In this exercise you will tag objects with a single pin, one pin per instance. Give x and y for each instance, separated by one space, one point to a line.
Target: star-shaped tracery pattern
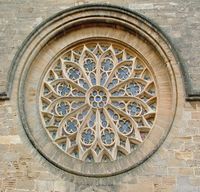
98 101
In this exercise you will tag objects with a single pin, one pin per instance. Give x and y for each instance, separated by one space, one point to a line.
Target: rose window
98 101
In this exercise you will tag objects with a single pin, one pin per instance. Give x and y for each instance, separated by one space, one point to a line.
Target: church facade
100 96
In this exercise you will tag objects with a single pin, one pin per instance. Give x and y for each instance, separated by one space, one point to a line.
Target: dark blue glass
92 120
133 108
98 98
93 79
74 74
64 89
103 78
89 65
123 73
87 137
71 126
83 84
107 65
133 89
63 108
108 137
124 126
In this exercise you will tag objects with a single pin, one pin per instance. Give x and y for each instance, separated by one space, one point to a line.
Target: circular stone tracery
98 97
98 101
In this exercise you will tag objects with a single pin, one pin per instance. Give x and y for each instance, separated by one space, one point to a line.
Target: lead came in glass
96 99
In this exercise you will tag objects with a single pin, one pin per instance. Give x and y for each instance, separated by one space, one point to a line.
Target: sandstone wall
174 167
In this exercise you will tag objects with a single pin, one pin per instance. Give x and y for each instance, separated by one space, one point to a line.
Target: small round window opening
98 101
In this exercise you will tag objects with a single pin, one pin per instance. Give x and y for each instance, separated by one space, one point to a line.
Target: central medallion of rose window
98 97
98 101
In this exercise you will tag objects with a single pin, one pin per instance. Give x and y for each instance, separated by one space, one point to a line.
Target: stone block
175 167
184 155
10 139
146 187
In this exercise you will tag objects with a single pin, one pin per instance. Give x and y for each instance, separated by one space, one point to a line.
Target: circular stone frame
91 22
94 88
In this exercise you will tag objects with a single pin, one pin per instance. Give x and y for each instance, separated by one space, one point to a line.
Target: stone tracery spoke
74 102
110 120
125 71
88 67
108 55
68 116
86 137
133 79
114 140
69 81
71 63
131 98
101 139
125 116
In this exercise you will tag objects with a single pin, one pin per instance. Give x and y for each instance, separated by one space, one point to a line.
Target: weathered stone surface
183 155
136 187
176 164
10 139
178 19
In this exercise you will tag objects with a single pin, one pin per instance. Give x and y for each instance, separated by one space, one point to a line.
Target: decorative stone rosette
98 101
